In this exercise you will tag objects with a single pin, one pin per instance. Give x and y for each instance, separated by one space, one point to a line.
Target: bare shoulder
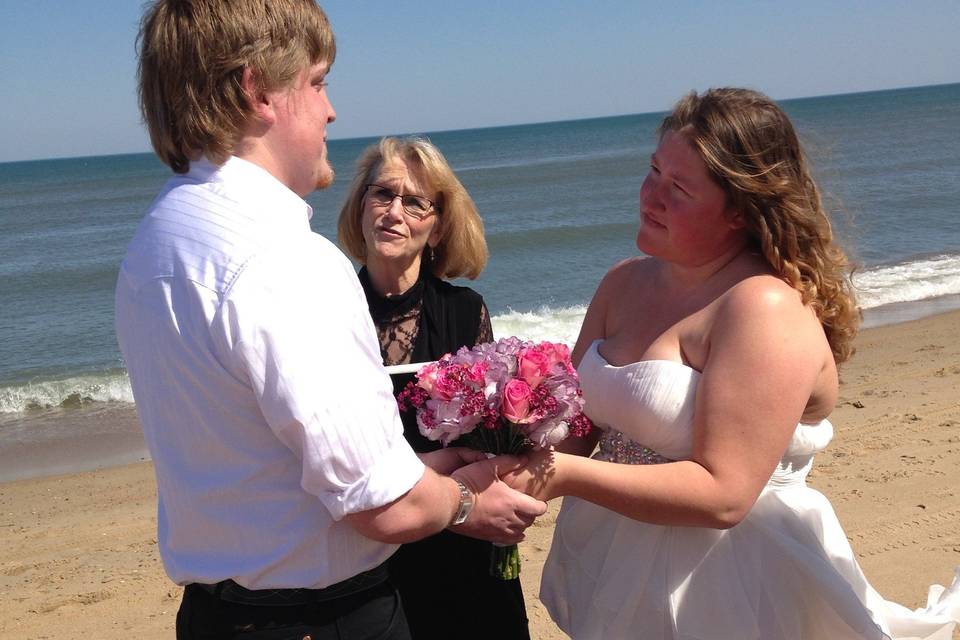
763 325
769 311
623 278
627 279
630 272
761 294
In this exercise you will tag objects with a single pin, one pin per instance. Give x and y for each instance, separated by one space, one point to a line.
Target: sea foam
545 324
908 281
66 392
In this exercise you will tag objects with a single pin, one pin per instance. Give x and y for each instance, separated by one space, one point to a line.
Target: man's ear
260 102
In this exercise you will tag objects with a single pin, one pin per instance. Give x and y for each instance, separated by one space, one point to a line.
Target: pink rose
478 373
555 352
548 434
427 377
533 366
516 401
449 383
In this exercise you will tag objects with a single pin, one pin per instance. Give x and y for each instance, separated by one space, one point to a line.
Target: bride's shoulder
764 289
620 282
764 300
632 270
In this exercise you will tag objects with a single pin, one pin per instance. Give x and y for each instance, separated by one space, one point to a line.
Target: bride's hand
538 477
447 460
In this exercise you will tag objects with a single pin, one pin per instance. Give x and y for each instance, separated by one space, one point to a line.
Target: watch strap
466 504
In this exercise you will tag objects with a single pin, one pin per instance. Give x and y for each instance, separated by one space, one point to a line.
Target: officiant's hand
538 477
500 514
447 460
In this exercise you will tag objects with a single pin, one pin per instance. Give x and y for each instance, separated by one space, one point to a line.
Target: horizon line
503 126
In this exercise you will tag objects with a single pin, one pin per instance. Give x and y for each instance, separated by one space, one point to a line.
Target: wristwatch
466 504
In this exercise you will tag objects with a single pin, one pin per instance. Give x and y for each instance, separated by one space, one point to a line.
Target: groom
284 481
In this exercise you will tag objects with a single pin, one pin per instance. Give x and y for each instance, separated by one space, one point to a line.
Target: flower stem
505 562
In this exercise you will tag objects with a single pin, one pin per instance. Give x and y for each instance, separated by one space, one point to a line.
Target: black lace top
430 319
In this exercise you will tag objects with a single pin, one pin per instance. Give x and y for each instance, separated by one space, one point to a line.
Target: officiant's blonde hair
192 55
752 151
462 249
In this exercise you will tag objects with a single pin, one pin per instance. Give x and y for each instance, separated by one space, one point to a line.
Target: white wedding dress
786 572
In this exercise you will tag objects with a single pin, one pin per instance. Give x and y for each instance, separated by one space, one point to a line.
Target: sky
68 85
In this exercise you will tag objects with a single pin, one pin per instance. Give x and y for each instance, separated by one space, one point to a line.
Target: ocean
560 204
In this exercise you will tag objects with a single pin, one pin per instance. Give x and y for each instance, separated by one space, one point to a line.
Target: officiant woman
412 225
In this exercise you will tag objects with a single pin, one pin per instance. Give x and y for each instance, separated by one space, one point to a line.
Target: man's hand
500 514
447 460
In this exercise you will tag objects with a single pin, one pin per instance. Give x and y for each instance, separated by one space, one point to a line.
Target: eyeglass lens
415 205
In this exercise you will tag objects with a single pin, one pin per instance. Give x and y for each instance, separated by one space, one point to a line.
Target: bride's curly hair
753 153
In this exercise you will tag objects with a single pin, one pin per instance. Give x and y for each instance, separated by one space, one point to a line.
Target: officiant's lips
389 232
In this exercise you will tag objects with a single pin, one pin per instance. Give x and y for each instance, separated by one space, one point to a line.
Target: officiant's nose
395 208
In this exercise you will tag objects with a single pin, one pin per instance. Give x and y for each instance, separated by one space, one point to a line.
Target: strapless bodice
651 403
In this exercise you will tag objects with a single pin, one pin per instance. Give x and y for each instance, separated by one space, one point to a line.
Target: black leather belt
230 591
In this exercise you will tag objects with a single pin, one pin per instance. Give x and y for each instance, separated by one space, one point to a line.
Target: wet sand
78 554
68 440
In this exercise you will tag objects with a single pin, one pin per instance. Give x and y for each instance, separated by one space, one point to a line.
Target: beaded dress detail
616 447
785 572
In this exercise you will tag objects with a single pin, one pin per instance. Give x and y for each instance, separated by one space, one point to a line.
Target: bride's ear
735 219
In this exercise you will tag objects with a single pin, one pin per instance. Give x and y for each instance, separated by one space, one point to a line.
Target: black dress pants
371 614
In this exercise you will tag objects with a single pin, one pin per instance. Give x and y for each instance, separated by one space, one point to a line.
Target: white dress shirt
259 385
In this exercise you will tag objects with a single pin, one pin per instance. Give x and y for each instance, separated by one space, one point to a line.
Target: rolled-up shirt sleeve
301 335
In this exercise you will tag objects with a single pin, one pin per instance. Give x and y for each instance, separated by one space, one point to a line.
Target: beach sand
78 555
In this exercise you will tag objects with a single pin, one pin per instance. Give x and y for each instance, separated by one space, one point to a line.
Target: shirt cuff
393 475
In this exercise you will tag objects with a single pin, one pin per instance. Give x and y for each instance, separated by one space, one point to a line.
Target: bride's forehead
677 145
676 152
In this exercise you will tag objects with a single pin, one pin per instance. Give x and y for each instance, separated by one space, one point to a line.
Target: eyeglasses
413 205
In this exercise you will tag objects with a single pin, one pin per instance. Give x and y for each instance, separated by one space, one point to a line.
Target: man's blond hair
192 55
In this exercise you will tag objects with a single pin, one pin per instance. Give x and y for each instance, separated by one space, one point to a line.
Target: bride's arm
593 328
766 354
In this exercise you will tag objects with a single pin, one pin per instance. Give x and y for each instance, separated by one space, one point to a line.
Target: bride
710 369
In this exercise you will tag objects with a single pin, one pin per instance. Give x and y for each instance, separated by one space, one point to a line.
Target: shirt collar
253 184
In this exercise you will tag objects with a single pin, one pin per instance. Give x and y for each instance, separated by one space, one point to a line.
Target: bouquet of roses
500 397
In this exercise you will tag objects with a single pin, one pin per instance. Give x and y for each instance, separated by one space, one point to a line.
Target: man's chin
325 179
